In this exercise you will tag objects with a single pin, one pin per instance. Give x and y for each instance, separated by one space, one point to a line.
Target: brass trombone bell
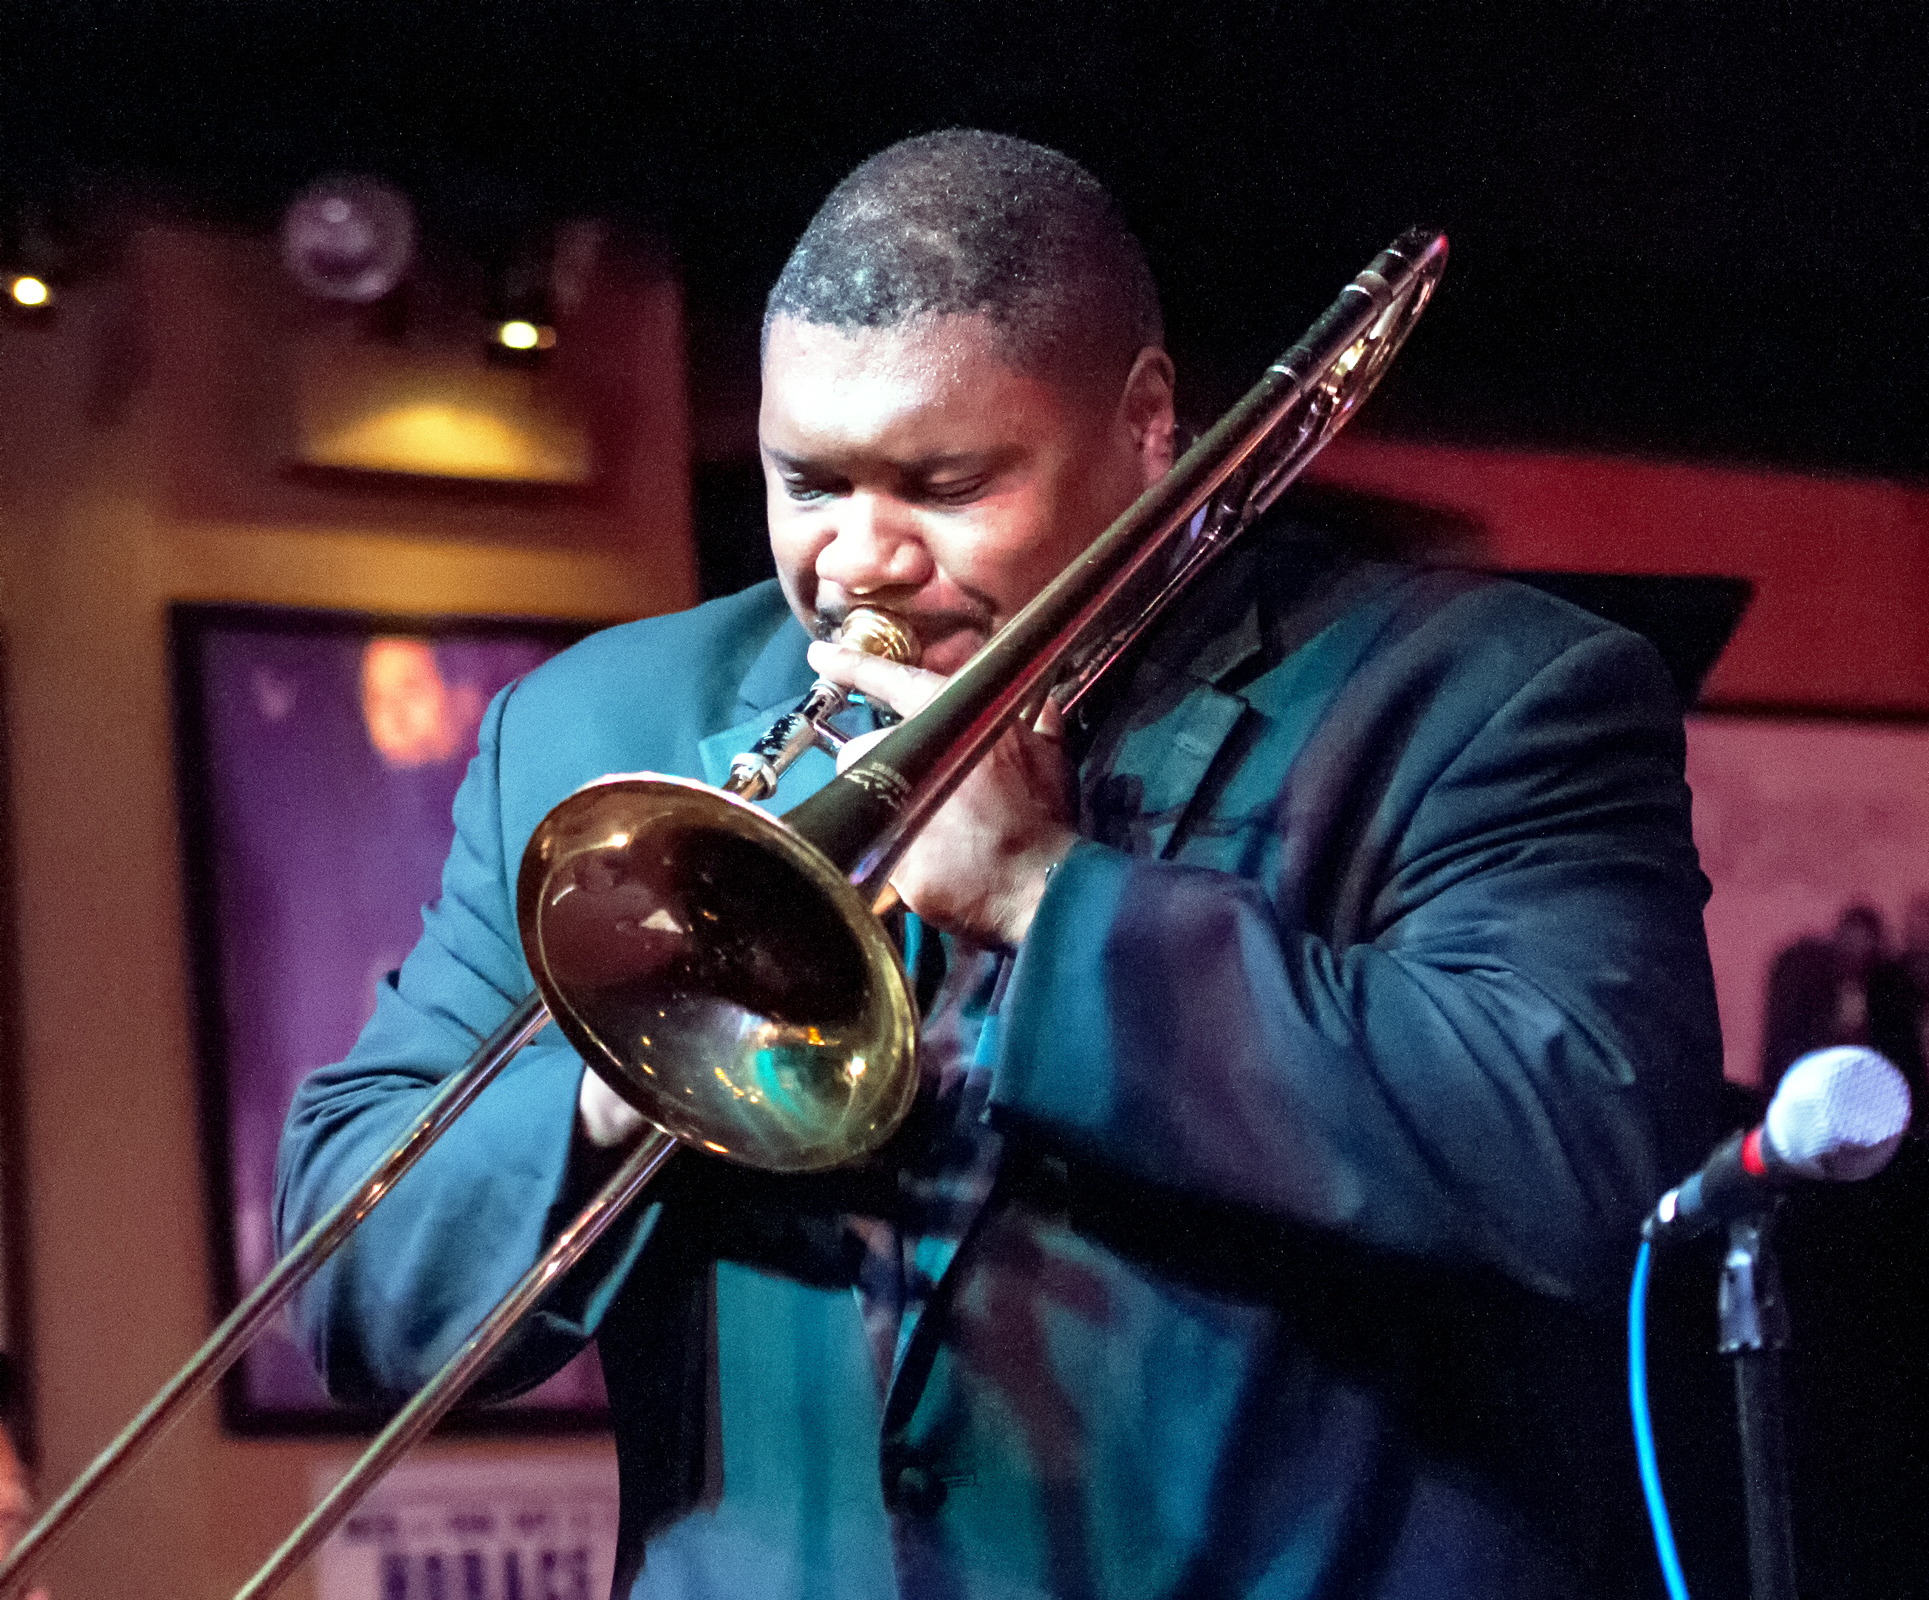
719 973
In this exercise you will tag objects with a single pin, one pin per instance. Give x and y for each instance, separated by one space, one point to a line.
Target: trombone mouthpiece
877 633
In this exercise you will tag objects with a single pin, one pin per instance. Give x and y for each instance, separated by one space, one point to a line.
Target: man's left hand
978 868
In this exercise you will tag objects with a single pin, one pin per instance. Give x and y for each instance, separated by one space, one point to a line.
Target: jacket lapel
1302 630
1148 765
1156 771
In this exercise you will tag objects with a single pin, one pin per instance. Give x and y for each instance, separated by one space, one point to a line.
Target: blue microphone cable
1644 1427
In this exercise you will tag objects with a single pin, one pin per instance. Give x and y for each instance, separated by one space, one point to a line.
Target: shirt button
912 1486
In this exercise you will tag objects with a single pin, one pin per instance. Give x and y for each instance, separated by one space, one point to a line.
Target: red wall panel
1840 566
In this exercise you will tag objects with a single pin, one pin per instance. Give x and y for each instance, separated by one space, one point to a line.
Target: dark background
1685 229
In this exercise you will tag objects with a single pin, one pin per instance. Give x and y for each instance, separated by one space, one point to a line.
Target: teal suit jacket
1334 1077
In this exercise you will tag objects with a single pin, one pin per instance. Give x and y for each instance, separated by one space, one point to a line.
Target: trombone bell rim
719 973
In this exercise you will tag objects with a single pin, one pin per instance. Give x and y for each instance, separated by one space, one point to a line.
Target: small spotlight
28 292
518 334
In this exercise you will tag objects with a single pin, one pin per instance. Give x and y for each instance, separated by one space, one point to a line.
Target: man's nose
876 544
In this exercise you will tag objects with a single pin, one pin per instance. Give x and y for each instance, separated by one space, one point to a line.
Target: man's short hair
972 223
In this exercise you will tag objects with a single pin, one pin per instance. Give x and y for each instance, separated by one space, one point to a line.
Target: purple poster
320 753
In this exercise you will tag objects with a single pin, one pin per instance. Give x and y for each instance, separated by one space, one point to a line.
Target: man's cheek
792 555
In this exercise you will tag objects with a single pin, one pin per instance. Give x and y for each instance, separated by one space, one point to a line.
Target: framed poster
319 755
1814 831
16 1409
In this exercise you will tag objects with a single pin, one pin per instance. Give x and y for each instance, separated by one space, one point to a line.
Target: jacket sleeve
459 1228
1476 1072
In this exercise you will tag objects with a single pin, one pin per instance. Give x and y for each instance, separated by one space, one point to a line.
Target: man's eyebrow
787 462
917 466
957 460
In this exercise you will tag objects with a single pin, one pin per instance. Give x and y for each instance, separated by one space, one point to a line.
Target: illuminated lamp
519 333
36 255
520 313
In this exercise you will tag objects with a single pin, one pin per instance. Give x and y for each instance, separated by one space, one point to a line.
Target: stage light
518 333
524 310
36 259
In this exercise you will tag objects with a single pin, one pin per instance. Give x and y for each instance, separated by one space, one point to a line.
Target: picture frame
318 755
17 1412
1813 828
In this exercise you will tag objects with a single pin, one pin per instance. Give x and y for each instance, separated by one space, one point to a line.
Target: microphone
1837 1116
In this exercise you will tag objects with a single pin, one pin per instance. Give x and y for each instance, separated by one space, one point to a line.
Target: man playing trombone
1298 1021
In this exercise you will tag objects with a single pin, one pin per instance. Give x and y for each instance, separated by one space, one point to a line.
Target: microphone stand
1754 1332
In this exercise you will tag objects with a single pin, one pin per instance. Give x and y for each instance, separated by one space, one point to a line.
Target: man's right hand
979 865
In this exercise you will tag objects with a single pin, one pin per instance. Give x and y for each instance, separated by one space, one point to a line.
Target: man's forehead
932 372
928 343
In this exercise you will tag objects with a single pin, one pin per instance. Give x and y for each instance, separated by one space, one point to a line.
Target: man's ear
1145 408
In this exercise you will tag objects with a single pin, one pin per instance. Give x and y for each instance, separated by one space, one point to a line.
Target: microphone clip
1750 1311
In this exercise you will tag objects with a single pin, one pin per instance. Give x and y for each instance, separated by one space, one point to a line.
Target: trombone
722 968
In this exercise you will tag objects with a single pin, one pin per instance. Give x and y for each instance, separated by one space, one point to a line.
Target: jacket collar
780 674
1202 676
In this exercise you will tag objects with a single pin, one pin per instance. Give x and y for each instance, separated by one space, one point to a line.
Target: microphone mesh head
1839 1114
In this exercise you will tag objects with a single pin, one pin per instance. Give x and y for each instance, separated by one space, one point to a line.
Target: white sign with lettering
533 1527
